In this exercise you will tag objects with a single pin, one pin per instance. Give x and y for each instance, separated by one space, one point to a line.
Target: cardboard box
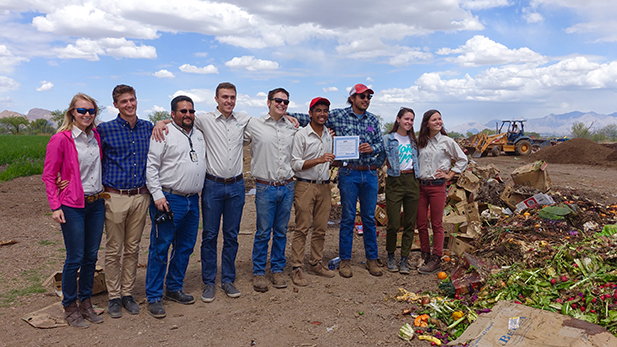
98 287
381 217
460 208
468 181
510 197
457 194
533 175
539 199
460 245
471 212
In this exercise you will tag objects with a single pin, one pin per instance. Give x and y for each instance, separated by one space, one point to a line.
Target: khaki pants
125 217
312 203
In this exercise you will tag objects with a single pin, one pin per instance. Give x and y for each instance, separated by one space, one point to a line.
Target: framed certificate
346 147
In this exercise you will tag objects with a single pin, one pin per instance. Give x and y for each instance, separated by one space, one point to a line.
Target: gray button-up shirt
308 145
437 155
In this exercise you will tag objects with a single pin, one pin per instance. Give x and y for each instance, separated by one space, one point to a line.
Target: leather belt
313 181
224 180
171 191
407 171
274 183
129 192
438 182
356 167
94 197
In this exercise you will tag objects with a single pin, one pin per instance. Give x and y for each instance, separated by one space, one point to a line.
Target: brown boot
86 310
373 267
320 270
73 316
278 280
297 277
260 284
345 268
433 265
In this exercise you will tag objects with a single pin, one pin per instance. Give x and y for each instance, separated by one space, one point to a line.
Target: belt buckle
228 180
319 181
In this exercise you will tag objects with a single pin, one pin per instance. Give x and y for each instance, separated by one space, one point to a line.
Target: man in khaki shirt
310 159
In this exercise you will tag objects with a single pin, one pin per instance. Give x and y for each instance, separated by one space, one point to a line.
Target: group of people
108 175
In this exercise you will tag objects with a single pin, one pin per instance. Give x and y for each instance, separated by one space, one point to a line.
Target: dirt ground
329 312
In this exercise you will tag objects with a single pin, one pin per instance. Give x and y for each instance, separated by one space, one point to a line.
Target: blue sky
474 60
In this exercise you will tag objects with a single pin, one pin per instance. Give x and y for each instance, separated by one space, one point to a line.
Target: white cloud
199 96
480 50
45 86
157 108
118 48
252 64
7 83
330 89
484 4
368 79
164 74
199 70
8 60
530 16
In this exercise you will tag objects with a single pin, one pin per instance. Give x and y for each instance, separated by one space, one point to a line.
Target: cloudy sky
474 60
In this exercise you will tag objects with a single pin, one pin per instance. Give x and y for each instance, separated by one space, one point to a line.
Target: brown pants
125 218
312 203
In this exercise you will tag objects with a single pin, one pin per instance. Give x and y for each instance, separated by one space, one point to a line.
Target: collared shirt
271 143
307 144
224 138
125 151
345 122
438 154
88 154
170 164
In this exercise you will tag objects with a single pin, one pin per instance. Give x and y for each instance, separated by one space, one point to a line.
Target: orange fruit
442 275
445 258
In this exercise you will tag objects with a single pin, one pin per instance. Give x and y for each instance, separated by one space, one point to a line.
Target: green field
22 155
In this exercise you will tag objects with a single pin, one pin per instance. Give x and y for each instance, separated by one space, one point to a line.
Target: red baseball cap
359 89
318 99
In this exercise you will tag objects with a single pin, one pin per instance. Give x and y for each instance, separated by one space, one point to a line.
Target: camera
163 217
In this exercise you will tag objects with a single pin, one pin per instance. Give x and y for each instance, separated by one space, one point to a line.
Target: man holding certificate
357 164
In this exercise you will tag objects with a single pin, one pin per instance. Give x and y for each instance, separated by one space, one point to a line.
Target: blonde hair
67 124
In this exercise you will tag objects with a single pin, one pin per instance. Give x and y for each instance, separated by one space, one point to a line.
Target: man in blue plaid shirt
358 177
125 142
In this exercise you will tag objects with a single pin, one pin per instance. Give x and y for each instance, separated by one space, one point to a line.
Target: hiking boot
373 267
130 305
297 277
86 310
208 293
433 265
392 263
156 309
74 317
179 297
345 268
230 290
278 280
404 266
320 270
423 259
260 284
115 308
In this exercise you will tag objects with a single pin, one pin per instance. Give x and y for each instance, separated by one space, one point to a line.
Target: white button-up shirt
89 157
437 155
308 145
170 165
271 143
224 138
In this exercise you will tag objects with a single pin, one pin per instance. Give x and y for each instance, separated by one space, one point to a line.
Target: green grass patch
22 155
47 243
31 284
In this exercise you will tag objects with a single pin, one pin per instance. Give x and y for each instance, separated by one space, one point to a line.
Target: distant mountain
474 127
38 113
7 113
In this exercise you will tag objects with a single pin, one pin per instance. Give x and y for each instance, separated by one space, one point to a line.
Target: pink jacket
62 157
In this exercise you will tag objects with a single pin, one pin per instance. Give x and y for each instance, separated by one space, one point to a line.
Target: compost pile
575 151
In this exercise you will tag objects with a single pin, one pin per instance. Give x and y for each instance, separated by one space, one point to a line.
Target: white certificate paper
346 147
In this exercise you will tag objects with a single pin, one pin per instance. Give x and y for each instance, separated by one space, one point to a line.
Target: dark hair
122 89
424 131
320 102
401 112
177 99
225 85
277 90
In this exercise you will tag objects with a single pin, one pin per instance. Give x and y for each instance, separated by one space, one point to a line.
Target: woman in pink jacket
74 153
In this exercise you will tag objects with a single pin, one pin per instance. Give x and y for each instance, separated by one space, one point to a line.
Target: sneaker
208 294
297 277
404 266
115 308
130 305
179 297
320 270
345 268
156 309
230 290
392 263
278 280
373 268
86 310
433 265
73 316
260 284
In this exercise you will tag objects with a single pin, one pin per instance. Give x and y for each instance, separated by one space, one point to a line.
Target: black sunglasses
365 96
84 110
185 111
279 100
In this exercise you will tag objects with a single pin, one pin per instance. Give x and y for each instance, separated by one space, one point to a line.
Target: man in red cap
310 159
357 177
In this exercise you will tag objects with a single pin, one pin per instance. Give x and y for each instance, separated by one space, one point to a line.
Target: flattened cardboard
381 216
532 175
457 194
510 197
468 181
99 285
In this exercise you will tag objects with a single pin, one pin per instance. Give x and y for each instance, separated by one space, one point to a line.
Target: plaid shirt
345 122
125 152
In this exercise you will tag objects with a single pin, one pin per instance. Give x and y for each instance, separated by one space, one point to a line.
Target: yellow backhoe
513 141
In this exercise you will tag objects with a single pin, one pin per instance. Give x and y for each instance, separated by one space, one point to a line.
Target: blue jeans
228 200
354 184
273 207
82 234
181 233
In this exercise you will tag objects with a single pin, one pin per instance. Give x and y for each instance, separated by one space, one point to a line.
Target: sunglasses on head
279 100
185 111
84 110
365 96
